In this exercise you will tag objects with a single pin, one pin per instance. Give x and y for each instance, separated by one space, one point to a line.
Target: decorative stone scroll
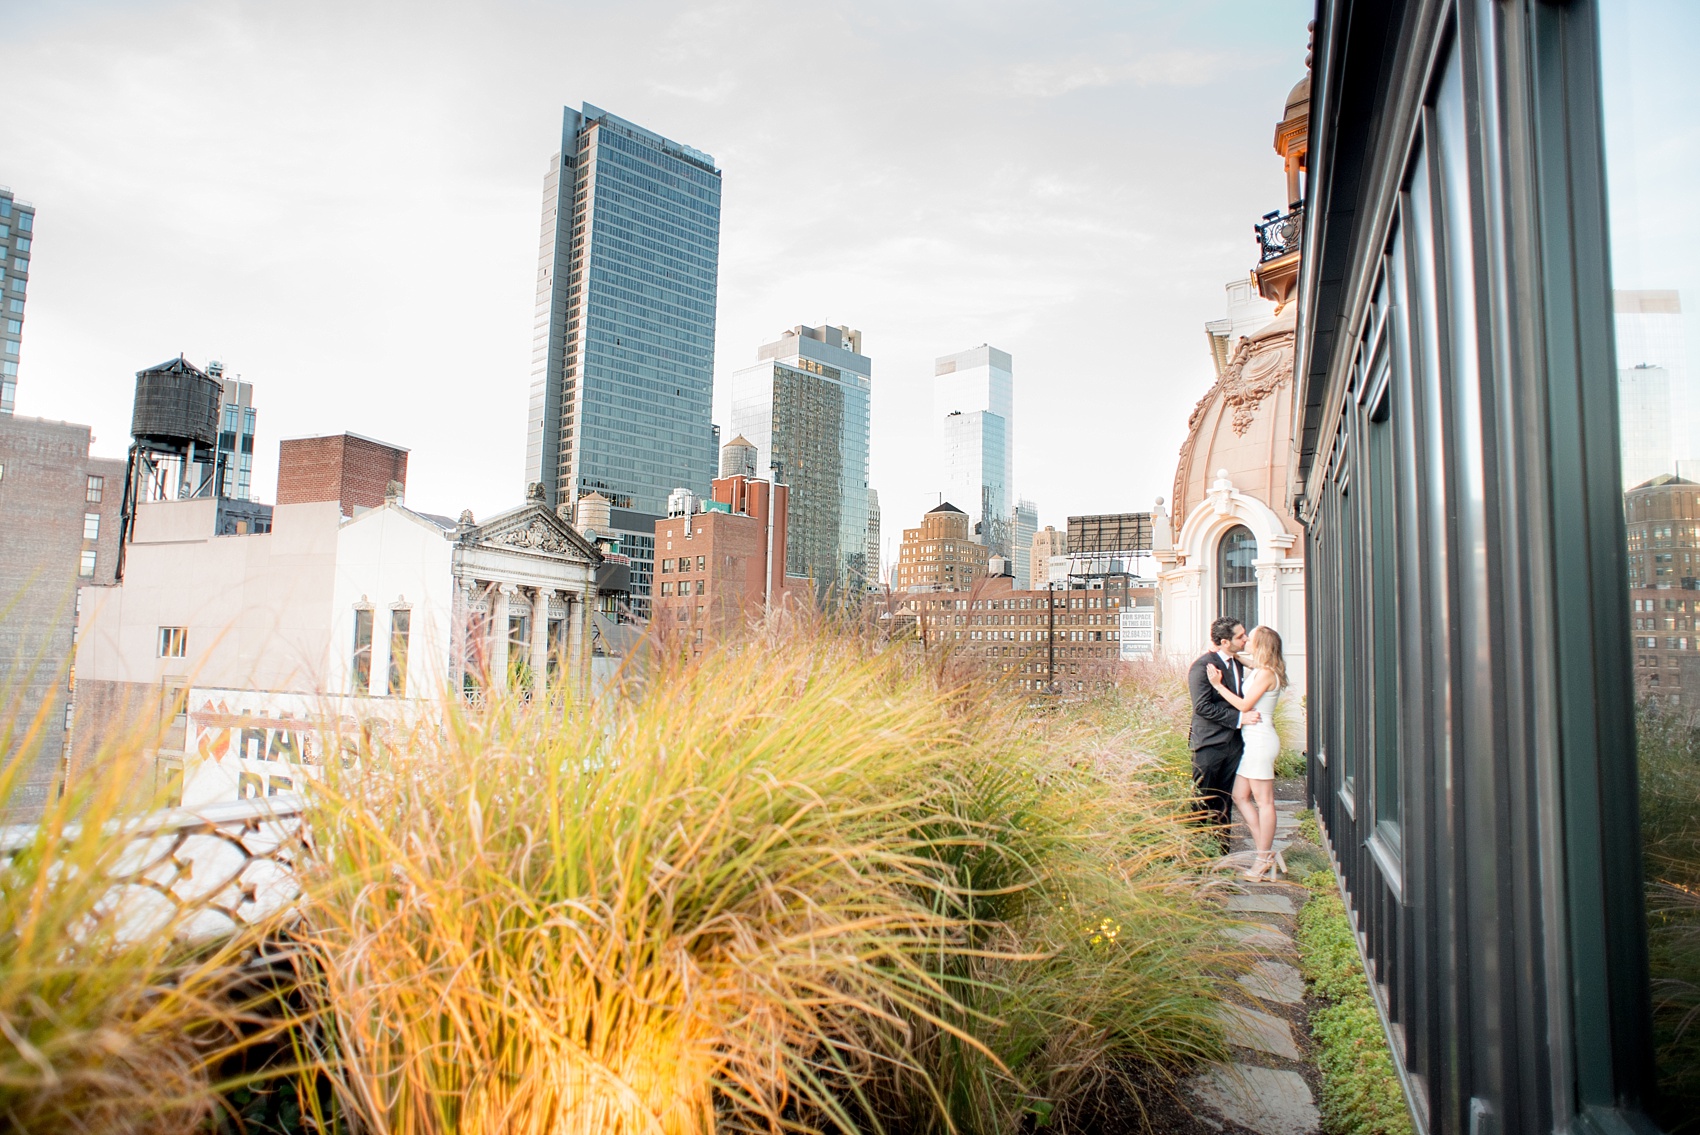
534 535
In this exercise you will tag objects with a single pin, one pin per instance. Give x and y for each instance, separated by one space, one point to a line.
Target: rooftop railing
1280 233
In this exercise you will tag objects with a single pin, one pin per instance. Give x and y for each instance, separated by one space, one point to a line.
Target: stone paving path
1266 1088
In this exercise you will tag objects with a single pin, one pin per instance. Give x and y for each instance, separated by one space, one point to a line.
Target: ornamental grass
110 1022
798 883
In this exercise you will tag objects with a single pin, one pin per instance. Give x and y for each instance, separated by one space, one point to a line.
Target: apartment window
667 586
17 286
23 241
91 525
666 566
248 420
702 562
26 222
96 486
86 568
5 230
401 625
18 305
11 346
15 326
362 677
173 641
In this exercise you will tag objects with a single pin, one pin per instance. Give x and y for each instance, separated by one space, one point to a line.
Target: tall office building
235 460
973 401
804 406
17 230
874 553
1023 525
623 340
1658 409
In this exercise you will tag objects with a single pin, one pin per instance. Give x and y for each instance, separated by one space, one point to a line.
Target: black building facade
1472 714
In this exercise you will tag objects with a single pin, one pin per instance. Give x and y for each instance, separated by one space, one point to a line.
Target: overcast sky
340 201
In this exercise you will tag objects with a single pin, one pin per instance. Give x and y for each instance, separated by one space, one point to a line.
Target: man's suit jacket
1215 723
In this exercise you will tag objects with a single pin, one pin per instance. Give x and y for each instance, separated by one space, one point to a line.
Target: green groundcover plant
1360 1091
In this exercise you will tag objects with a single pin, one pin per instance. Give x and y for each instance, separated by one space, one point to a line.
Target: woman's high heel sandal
1280 866
1260 869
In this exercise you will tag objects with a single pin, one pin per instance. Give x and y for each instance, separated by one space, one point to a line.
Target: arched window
1237 596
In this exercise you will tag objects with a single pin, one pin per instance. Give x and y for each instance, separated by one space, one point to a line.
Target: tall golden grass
109 1021
806 881
796 883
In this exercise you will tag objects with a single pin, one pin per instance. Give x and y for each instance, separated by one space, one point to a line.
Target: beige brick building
59 511
1063 639
939 555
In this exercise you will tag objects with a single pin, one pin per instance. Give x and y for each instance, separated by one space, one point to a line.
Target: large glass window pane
1238 578
401 625
361 682
1653 162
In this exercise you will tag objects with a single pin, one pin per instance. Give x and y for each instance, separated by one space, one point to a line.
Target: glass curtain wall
1498 472
1652 143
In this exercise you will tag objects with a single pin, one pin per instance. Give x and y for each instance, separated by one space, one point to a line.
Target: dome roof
1243 427
1298 99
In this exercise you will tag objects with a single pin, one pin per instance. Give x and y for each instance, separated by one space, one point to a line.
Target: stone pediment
532 528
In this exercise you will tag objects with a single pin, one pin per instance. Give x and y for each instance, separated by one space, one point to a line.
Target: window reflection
1653 161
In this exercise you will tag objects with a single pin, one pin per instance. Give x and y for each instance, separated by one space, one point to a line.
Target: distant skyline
339 201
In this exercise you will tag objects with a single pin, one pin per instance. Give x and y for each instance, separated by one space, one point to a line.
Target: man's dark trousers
1215 737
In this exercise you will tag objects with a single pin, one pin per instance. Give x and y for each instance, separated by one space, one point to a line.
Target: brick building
59 510
725 564
1046 543
1663 521
1061 638
348 468
939 555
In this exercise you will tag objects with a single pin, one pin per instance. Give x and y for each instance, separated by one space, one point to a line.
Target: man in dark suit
1215 740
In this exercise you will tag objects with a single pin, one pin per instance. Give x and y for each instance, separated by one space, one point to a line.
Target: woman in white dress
1254 785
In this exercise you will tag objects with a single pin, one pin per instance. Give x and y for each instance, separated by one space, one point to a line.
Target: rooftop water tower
174 439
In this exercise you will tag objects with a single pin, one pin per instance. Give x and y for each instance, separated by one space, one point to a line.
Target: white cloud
340 200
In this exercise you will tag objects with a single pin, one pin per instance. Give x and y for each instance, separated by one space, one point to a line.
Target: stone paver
1248 1028
1266 1100
1274 981
1262 938
1266 904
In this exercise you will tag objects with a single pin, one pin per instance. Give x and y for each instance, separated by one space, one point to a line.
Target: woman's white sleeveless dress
1262 743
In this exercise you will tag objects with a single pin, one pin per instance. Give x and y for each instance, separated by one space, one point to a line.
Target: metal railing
203 872
1280 233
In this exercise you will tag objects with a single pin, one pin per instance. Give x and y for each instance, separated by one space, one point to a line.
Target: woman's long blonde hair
1264 647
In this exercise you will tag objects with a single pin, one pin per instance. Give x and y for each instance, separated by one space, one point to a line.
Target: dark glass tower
623 363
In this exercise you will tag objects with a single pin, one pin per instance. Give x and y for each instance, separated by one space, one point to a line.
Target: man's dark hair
1223 629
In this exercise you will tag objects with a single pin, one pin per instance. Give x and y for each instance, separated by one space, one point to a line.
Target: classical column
460 620
499 636
540 599
577 661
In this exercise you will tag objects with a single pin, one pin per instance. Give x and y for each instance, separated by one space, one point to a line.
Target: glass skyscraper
17 229
973 402
623 342
804 407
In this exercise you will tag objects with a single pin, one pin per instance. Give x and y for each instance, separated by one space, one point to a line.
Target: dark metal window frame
1506 944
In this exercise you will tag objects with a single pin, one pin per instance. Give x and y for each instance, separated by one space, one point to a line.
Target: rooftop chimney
354 471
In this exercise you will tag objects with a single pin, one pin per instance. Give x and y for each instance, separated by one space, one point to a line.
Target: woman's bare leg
1246 804
1262 793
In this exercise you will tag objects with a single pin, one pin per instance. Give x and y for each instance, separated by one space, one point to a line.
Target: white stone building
365 617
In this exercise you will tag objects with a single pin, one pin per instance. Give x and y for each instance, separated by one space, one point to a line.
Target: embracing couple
1234 688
